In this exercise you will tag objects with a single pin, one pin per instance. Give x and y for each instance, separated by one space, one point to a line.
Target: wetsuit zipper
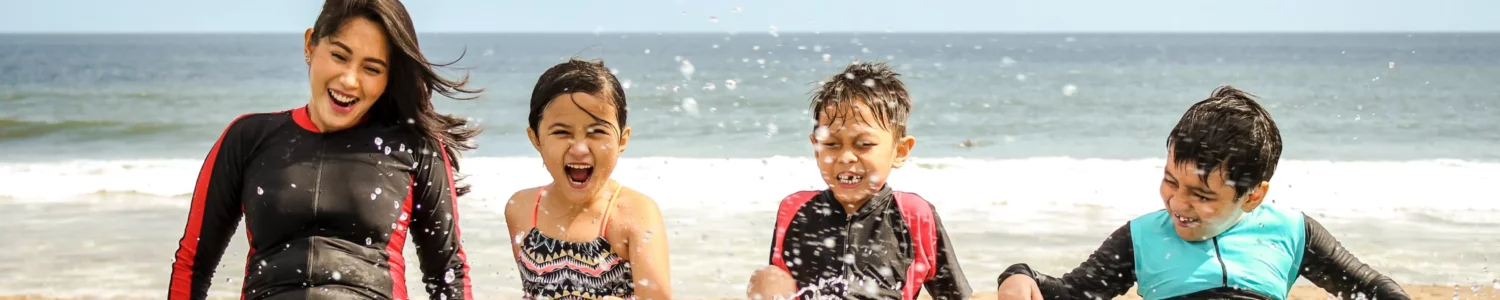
312 241
848 247
1222 268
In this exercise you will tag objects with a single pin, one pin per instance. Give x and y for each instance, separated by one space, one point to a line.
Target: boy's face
854 152
1202 210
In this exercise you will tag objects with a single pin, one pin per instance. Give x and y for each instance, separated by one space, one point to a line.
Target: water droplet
828 243
645 282
827 57
369 241
625 84
411 121
770 130
690 106
259 191
1169 255
687 69
1020 77
870 82
1392 65
372 196
1070 90
294 185
336 275
397 204
709 86
403 216
378 141
448 276
730 84
773 32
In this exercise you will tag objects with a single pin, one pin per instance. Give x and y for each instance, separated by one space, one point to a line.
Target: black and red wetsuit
890 248
327 214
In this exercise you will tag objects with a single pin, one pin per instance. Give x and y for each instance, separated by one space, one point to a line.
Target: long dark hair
408 96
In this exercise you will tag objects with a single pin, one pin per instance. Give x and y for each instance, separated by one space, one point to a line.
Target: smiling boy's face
856 151
1203 208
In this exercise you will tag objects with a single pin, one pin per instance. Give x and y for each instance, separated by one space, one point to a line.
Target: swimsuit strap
608 208
538 205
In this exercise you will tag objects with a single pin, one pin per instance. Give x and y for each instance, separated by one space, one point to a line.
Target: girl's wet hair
1229 130
577 76
408 95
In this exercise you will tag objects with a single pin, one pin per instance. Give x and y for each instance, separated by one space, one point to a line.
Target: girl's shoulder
521 203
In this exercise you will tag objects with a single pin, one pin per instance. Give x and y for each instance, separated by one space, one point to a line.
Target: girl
331 191
584 236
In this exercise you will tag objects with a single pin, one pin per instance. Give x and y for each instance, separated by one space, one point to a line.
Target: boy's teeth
578 166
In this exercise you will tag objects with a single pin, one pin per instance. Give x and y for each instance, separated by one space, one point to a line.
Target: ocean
1033 147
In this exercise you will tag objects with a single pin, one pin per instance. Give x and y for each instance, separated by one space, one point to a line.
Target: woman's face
348 72
579 150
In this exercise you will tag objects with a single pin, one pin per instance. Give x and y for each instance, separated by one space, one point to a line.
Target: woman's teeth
341 99
849 178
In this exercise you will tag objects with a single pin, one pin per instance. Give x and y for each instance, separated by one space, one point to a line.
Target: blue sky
786 15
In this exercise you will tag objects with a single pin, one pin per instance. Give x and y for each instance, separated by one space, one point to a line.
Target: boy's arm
1108 273
1326 264
950 282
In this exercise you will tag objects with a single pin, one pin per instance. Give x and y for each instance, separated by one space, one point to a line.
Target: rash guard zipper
1222 268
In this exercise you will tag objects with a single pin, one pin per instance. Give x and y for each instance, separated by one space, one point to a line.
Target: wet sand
1300 292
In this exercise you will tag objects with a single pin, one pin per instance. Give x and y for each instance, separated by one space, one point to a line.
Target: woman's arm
435 228
212 217
1326 264
649 261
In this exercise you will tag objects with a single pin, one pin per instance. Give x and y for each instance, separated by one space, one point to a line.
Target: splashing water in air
730 84
690 106
1070 90
259 191
687 69
773 32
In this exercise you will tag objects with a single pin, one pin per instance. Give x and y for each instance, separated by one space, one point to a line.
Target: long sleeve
435 228
213 216
1326 264
1109 272
950 282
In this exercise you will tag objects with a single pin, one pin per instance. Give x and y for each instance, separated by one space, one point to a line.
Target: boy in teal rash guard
1215 239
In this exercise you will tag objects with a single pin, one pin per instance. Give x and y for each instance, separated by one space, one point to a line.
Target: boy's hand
1019 287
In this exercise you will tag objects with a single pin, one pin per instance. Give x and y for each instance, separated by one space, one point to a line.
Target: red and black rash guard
866 255
326 214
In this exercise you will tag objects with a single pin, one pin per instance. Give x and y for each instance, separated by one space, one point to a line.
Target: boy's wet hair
874 83
1229 130
577 76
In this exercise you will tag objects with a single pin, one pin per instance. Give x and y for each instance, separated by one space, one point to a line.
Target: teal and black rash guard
326 214
1258 258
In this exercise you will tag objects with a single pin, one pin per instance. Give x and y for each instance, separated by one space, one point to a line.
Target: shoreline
1299 292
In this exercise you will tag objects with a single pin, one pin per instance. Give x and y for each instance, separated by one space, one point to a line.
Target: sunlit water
1390 142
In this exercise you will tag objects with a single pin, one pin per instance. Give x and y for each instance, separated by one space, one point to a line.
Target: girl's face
348 73
580 142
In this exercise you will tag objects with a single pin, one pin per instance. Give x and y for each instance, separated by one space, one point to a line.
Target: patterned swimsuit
558 269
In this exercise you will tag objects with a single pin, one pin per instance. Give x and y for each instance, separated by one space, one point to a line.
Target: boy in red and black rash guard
860 239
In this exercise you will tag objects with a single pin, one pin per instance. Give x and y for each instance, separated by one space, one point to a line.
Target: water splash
730 84
690 106
773 31
1070 90
259 191
687 69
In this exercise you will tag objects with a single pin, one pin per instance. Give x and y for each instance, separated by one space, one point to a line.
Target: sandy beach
1301 292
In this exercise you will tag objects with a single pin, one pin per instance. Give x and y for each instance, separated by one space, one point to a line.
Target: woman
583 235
331 190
